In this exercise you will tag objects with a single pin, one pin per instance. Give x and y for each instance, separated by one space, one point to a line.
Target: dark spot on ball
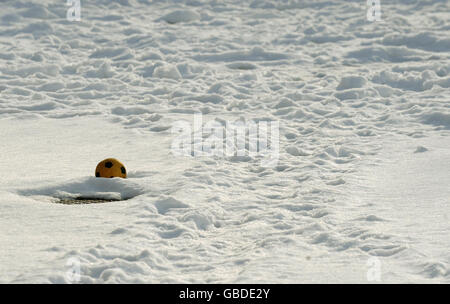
108 164
97 174
123 170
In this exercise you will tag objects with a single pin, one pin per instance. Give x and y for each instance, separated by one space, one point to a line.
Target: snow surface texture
361 190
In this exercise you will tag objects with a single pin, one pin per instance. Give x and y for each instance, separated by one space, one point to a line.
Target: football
110 168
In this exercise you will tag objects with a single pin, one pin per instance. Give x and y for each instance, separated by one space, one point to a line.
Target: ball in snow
110 168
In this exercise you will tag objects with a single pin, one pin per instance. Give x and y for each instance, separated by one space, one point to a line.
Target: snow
170 72
180 16
362 174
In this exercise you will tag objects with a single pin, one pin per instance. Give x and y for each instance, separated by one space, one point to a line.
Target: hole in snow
83 201
87 190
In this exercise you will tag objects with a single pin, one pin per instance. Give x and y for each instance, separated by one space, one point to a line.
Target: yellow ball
110 168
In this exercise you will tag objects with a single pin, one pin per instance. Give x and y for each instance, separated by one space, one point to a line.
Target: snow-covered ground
360 191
